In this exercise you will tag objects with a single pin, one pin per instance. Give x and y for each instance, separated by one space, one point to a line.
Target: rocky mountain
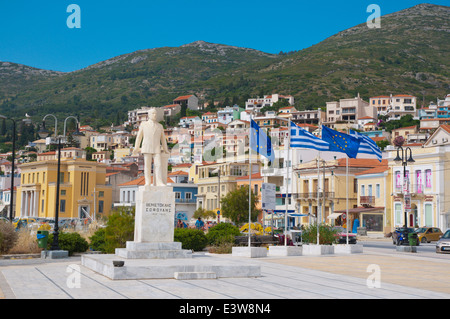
408 54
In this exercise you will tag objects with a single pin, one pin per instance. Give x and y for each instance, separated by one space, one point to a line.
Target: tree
234 205
204 214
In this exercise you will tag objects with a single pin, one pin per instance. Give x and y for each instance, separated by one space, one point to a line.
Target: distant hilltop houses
100 164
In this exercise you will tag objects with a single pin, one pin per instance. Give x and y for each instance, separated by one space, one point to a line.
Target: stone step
194 275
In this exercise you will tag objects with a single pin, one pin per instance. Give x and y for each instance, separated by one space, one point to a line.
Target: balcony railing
367 199
185 201
313 195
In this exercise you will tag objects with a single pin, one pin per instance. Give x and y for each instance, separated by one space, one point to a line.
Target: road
427 250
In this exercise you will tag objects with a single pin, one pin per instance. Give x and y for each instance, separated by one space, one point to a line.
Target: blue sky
35 33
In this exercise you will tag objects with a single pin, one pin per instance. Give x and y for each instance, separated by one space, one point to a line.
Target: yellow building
323 192
83 192
428 182
215 180
374 211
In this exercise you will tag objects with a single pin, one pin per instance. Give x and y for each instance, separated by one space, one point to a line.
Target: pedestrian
199 223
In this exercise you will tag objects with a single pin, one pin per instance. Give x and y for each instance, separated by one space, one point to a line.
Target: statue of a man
151 134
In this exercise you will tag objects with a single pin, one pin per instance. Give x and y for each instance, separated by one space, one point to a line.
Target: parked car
443 244
23 222
428 234
400 236
341 235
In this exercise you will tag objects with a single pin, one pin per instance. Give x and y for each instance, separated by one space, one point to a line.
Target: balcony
185 201
368 200
313 195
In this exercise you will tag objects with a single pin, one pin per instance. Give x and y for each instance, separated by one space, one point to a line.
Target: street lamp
404 162
11 205
43 133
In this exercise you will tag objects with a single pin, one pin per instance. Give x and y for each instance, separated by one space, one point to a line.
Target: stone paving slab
292 277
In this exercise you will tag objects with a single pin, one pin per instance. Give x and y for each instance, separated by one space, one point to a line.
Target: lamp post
43 133
11 201
404 162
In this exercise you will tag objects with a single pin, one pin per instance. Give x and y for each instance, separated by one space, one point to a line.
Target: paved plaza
404 276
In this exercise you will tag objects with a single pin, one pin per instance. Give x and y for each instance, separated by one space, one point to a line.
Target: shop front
370 218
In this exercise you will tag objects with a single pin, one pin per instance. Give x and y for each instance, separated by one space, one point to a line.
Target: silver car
443 244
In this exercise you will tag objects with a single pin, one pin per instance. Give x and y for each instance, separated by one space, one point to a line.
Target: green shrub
194 239
98 240
222 232
119 229
72 242
8 236
326 234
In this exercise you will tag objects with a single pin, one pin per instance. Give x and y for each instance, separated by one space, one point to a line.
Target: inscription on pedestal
155 215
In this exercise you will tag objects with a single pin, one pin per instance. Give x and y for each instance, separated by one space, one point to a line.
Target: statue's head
152 114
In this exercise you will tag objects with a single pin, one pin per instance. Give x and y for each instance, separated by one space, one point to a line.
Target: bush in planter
8 237
194 239
327 235
221 233
72 242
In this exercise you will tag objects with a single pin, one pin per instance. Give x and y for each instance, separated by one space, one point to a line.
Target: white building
268 100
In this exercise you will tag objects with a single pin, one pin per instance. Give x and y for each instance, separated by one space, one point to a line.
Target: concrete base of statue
154 254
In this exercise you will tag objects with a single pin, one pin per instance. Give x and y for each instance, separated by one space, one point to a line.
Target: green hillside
408 54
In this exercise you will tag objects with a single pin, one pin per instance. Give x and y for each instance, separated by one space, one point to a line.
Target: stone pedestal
136 250
155 214
153 254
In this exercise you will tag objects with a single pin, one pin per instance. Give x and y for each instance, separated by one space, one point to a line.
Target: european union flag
340 142
260 142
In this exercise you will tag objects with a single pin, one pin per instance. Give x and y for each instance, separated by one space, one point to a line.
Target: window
428 215
100 206
428 178
419 181
63 192
369 190
177 195
188 196
377 190
398 214
101 194
42 206
363 190
62 206
61 177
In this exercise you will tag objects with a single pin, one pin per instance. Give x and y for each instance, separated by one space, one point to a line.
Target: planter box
316 250
251 252
278 251
348 249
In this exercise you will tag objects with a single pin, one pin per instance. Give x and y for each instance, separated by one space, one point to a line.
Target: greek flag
303 139
367 147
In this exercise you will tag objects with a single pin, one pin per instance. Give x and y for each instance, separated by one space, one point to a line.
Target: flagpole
250 182
287 181
318 197
346 183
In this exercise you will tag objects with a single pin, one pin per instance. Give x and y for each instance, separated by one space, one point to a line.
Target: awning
334 215
297 215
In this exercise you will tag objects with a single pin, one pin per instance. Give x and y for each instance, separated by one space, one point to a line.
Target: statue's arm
137 144
164 142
